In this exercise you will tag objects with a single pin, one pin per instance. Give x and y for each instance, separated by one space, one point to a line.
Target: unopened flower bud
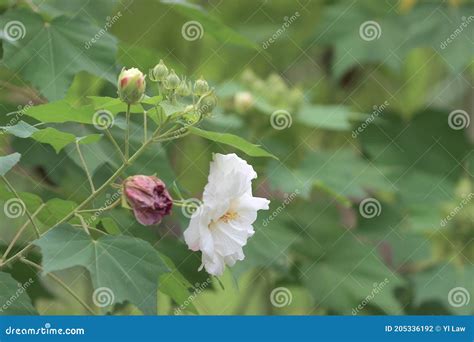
131 85
148 198
243 101
159 72
183 89
201 87
207 104
172 81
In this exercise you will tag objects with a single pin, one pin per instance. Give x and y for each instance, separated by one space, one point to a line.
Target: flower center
228 216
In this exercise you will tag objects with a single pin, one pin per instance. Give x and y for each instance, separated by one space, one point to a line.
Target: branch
84 165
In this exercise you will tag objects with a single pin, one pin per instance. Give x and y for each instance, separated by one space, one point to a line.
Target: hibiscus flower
223 223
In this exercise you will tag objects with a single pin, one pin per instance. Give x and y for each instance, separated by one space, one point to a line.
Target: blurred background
367 104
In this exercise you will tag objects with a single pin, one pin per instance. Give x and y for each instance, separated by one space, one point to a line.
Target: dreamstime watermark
46 330
197 290
109 22
377 110
288 199
21 110
111 199
103 119
191 207
14 208
457 32
103 296
280 297
14 30
21 289
370 30
281 119
192 30
459 296
457 209
370 208
286 24
377 288
458 119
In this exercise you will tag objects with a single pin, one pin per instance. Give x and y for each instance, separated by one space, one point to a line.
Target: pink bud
148 197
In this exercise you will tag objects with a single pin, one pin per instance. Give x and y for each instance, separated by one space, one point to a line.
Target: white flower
223 223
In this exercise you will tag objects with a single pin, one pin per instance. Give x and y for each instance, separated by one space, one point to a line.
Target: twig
12 189
62 283
84 165
114 142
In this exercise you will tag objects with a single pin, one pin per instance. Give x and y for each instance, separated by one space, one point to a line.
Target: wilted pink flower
148 197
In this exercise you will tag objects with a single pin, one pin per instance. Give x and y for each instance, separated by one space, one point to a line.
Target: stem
144 126
62 283
12 189
127 133
114 142
20 231
113 205
84 165
89 199
83 223
91 228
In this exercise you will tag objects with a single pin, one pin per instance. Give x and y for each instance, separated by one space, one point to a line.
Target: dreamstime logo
370 207
191 207
280 297
458 119
458 296
198 288
286 24
370 30
111 199
109 22
457 209
288 199
103 119
14 208
21 289
281 119
103 296
14 30
192 30
375 113
21 110
457 32
377 288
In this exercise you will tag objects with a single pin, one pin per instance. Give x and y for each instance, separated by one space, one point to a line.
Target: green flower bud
201 87
159 72
172 81
183 89
131 85
207 104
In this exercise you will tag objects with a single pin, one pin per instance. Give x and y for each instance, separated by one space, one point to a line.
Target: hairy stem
84 165
83 223
114 142
62 283
127 133
20 231
12 189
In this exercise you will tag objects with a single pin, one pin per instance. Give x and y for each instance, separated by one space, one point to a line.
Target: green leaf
110 226
20 130
61 111
127 266
13 297
8 162
335 118
344 272
170 109
57 139
437 283
234 141
429 24
176 286
211 25
51 53
113 105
